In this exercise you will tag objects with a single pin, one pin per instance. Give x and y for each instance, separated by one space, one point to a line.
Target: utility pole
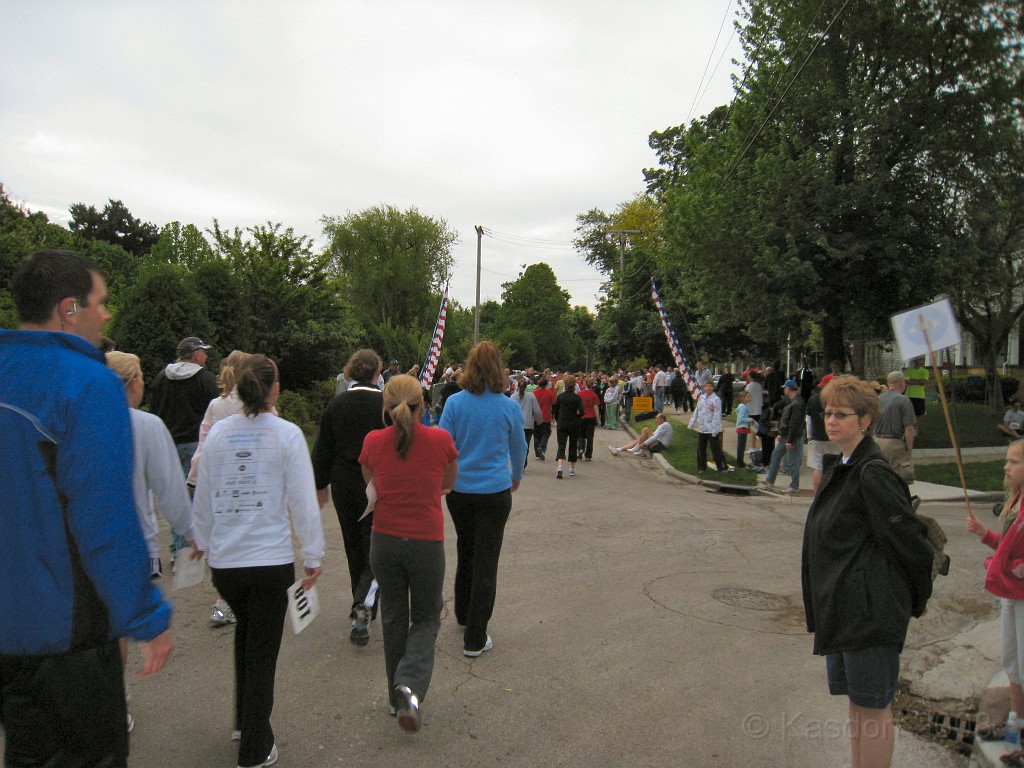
622 253
476 315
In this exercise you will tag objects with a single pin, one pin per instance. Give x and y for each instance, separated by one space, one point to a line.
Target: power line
696 95
491 233
782 98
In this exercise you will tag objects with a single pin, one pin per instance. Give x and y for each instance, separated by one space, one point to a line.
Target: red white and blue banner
677 352
430 366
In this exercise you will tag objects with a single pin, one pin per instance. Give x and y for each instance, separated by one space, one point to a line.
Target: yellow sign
642 404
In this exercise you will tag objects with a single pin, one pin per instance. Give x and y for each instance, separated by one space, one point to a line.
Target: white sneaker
615 451
271 758
222 615
487 646
131 723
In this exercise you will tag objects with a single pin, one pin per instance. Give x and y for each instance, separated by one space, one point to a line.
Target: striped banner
677 353
430 366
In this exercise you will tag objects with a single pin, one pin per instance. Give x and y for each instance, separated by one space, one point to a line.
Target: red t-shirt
409 489
590 403
545 398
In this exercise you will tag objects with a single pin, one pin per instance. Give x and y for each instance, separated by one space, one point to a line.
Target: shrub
291 405
971 389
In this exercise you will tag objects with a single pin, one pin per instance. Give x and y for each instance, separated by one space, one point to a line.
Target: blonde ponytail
403 399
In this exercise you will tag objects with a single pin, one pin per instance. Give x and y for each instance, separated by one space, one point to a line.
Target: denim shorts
867 676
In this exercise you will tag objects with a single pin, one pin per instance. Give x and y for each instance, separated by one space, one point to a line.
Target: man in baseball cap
180 395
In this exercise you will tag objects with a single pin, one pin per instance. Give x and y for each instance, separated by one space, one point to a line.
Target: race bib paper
188 572
303 606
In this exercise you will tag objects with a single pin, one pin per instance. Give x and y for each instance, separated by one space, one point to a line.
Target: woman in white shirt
254 468
228 404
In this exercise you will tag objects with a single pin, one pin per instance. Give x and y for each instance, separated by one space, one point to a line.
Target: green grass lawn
973 425
981 475
682 454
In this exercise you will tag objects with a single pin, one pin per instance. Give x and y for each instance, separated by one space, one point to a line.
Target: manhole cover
752 599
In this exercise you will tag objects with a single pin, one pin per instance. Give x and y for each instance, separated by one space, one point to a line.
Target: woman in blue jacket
487 428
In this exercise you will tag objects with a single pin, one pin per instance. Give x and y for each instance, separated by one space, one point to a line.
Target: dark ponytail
255 378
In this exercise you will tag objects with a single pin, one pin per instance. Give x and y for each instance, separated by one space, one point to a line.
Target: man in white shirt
649 442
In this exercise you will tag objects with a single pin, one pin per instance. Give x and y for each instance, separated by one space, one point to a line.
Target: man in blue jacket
74 572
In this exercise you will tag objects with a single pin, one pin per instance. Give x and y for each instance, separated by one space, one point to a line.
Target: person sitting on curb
648 442
1013 421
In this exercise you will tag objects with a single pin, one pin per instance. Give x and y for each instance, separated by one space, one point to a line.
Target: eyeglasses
838 415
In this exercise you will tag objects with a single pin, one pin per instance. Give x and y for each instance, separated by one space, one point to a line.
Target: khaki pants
896 453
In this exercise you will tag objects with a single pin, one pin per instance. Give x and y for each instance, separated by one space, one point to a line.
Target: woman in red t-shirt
591 402
411 466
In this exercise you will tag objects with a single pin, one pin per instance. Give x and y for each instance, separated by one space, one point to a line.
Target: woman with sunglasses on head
255 467
866 569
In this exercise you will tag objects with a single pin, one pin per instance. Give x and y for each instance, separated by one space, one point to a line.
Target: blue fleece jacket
488 434
74 569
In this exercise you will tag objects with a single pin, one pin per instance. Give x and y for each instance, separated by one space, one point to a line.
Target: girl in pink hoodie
1005 580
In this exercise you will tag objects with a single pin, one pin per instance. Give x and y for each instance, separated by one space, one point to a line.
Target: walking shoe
558 474
131 723
615 451
487 646
409 717
222 614
572 472
236 735
360 634
271 758
790 491
763 485
156 570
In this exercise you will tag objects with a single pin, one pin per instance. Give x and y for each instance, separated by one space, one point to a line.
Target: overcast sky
513 115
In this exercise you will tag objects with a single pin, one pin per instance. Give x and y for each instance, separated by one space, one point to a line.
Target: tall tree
536 304
298 315
115 225
393 265
820 194
182 244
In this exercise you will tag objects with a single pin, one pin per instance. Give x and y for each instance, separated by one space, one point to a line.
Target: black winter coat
867 564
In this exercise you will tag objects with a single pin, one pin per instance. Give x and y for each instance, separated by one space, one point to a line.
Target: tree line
377 284
871 160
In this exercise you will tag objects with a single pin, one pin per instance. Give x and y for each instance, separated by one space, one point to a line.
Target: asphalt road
639 622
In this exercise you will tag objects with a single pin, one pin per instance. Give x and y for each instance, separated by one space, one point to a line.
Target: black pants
741 449
350 503
703 440
479 520
568 436
66 710
541 433
585 442
529 436
259 598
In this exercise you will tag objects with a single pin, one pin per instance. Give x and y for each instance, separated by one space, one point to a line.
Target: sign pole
945 410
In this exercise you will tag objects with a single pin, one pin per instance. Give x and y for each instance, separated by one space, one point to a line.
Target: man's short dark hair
46 277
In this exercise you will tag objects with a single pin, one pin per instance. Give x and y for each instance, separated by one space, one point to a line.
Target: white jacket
156 473
251 472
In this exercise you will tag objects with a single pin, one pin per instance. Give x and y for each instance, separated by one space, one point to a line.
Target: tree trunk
993 388
832 338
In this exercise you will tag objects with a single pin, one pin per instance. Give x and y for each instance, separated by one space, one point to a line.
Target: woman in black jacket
866 569
348 418
568 412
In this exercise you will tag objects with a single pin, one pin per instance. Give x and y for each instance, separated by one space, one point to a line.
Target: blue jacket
74 570
488 434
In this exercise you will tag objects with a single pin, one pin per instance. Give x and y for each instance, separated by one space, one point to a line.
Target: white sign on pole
939 321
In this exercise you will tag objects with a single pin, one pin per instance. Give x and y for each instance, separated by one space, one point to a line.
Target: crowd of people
87 471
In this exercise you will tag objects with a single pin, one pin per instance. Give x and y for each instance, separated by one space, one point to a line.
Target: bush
293 406
971 389
305 407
